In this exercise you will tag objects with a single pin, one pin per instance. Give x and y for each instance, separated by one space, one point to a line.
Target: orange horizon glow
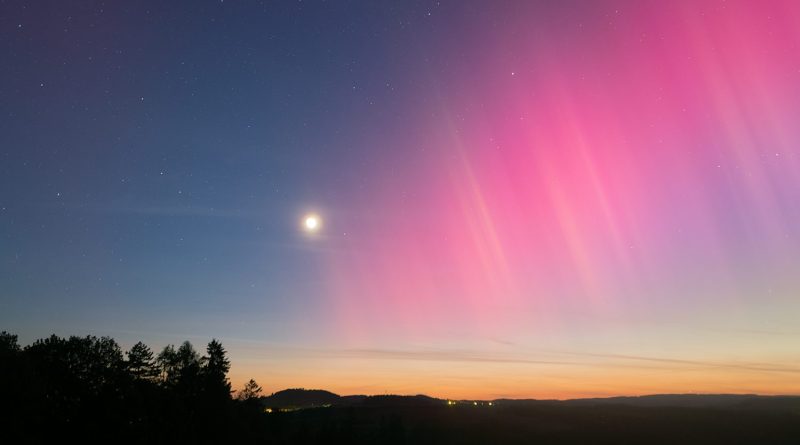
624 388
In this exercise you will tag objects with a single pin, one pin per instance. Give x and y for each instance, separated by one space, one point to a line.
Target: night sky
514 198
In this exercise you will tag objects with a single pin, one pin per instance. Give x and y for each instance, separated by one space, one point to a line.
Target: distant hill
749 401
309 398
735 401
392 400
300 398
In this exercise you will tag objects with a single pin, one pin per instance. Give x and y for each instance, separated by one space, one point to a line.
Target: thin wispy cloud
548 358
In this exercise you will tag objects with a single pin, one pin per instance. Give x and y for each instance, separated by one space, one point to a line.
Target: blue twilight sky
156 156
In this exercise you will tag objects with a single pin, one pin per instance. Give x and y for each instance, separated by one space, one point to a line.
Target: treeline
88 388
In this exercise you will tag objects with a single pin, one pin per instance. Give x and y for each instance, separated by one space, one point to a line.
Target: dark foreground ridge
316 416
86 389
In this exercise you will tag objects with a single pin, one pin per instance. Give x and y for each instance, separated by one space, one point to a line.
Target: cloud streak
580 359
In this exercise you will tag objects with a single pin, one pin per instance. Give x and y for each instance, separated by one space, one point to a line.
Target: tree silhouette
8 344
178 367
167 362
141 364
99 359
89 363
215 371
11 368
250 392
188 361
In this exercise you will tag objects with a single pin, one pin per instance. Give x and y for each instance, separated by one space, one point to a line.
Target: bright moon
311 223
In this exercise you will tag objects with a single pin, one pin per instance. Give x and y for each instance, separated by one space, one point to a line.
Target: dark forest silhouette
86 389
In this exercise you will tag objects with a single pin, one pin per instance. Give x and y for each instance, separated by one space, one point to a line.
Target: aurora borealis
516 199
